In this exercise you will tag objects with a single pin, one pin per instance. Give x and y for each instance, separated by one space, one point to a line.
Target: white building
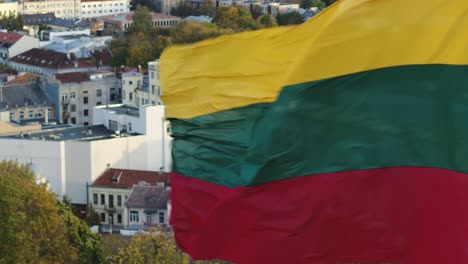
70 158
12 44
271 8
109 193
67 9
93 8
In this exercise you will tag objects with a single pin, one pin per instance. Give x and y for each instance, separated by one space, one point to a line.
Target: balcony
113 209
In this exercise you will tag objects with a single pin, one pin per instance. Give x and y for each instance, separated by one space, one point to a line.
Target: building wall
67 9
9 9
142 217
91 9
47 156
154 82
130 82
37 111
7 128
105 209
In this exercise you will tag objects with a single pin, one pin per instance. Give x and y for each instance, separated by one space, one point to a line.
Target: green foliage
184 9
142 20
152 247
256 12
206 8
92 217
12 23
186 32
313 3
236 18
267 21
36 228
89 245
290 18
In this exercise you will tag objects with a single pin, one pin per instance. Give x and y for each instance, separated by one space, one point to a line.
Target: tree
142 20
206 8
152 247
236 18
183 9
36 227
92 217
290 18
313 3
267 21
256 12
187 32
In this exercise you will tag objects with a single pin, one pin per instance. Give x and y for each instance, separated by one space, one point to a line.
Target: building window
152 89
111 201
130 96
129 126
130 82
64 96
152 75
161 217
73 120
113 125
119 218
39 114
98 103
103 199
73 108
85 100
31 113
86 112
142 101
134 217
95 198
123 95
72 95
119 200
103 217
98 92
85 92
85 123
21 115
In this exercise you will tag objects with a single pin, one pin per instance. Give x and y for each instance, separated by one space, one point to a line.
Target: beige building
8 128
109 194
121 22
68 9
9 8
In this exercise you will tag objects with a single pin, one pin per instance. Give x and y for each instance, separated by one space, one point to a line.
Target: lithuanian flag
341 140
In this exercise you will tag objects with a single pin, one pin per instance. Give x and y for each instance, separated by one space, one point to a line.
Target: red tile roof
72 77
120 178
8 39
57 60
26 78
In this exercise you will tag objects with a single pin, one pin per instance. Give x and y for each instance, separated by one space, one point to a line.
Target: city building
93 8
25 103
43 61
109 193
121 22
76 94
12 44
33 22
148 206
271 8
70 158
67 9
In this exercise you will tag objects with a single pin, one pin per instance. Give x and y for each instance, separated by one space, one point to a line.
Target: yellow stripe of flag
350 36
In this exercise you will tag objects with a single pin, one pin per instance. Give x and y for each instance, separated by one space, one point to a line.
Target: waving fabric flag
341 140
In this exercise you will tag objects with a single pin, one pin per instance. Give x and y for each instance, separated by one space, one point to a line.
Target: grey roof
148 197
51 19
89 133
20 95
